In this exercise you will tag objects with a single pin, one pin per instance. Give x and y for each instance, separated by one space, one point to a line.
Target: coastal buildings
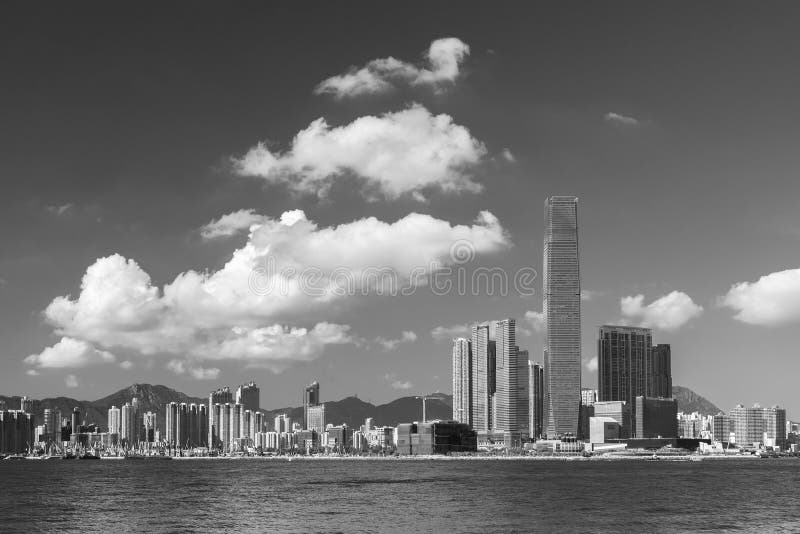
310 398
216 399
114 420
536 399
757 426
462 380
17 431
561 307
619 411
511 382
655 418
249 395
659 372
483 377
436 437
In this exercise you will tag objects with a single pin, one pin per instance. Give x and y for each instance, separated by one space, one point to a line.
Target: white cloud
391 344
69 352
180 367
537 320
772 300
591 364
32 372
231 224
588 294
396 153
508 156
444 58
126 365
253 310
71 381
669 312
447 333
402 385
60 210
621 119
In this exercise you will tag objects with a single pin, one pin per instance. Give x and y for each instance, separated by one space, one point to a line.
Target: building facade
536 399
462 380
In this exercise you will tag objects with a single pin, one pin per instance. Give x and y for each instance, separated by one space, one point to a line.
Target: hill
689 401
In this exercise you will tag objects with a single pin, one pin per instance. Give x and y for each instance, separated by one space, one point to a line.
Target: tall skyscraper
462 380
623 353
561 306
483 374
511 378
536 399
310 398
221 397
114 420
249 395
171 423
316 418
659 372
150 421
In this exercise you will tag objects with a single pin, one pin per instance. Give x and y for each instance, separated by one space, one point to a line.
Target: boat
15 457
88 456
52 457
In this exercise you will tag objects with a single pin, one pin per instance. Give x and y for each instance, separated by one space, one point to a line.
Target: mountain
689 401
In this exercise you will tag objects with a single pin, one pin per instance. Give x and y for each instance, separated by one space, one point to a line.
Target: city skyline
127 245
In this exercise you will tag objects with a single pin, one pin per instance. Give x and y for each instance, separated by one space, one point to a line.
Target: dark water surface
258 495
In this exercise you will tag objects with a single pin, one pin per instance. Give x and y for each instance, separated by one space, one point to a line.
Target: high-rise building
561 307
114 420
511 392
775 426
588 396
283 423
536 399
221 396
310 398
171 423
759 426
316 418
128 424
659 372
75 424
249 395
52 424
656 418
150 421
462 380
26 404
622 354
483 377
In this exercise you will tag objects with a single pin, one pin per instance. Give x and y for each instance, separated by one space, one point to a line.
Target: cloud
71 381
669 312
391 344
60 210
508 156
591 364
231 224
442 68
537 320
260 308
402 385
588 294
772 300
126 365
621 119
447 333
396 153
198 373
32 372
69 352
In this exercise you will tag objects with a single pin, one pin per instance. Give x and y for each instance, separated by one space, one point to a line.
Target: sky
186 187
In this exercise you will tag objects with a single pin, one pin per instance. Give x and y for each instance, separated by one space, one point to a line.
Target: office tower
588 396
127 423
249 395
220 396
225 423
150 422
483 374
283 423
75 423
623 353
536 399
659 372
17 431
561 307
26 404
368 425
316 418
136 423
171 423
310 398
236 415
462 380
656 417
511 397
52 424
748 425
775 427
114 420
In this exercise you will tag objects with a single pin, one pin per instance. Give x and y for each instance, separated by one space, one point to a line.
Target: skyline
682 156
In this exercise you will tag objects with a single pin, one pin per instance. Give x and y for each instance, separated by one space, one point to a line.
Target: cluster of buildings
747 428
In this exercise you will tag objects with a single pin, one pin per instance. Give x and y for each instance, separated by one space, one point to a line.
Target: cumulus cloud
772 300
258 308
537 320
591 364
442 68
588 294
508 156
126 365
621 119
71 381
231 224
60 210
180 367
69 352
669 312
402 385
446 333
396 153
32 372
390 344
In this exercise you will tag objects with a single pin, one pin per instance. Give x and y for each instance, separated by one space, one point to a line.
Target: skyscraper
462 380
220 396
316 418
483 384
561 306
623 353
536 399
114 422
310 398
659 372
511 395
249 395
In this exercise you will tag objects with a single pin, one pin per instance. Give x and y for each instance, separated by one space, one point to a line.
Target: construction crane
424 399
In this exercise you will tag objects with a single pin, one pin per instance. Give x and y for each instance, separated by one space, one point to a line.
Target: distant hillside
689 401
